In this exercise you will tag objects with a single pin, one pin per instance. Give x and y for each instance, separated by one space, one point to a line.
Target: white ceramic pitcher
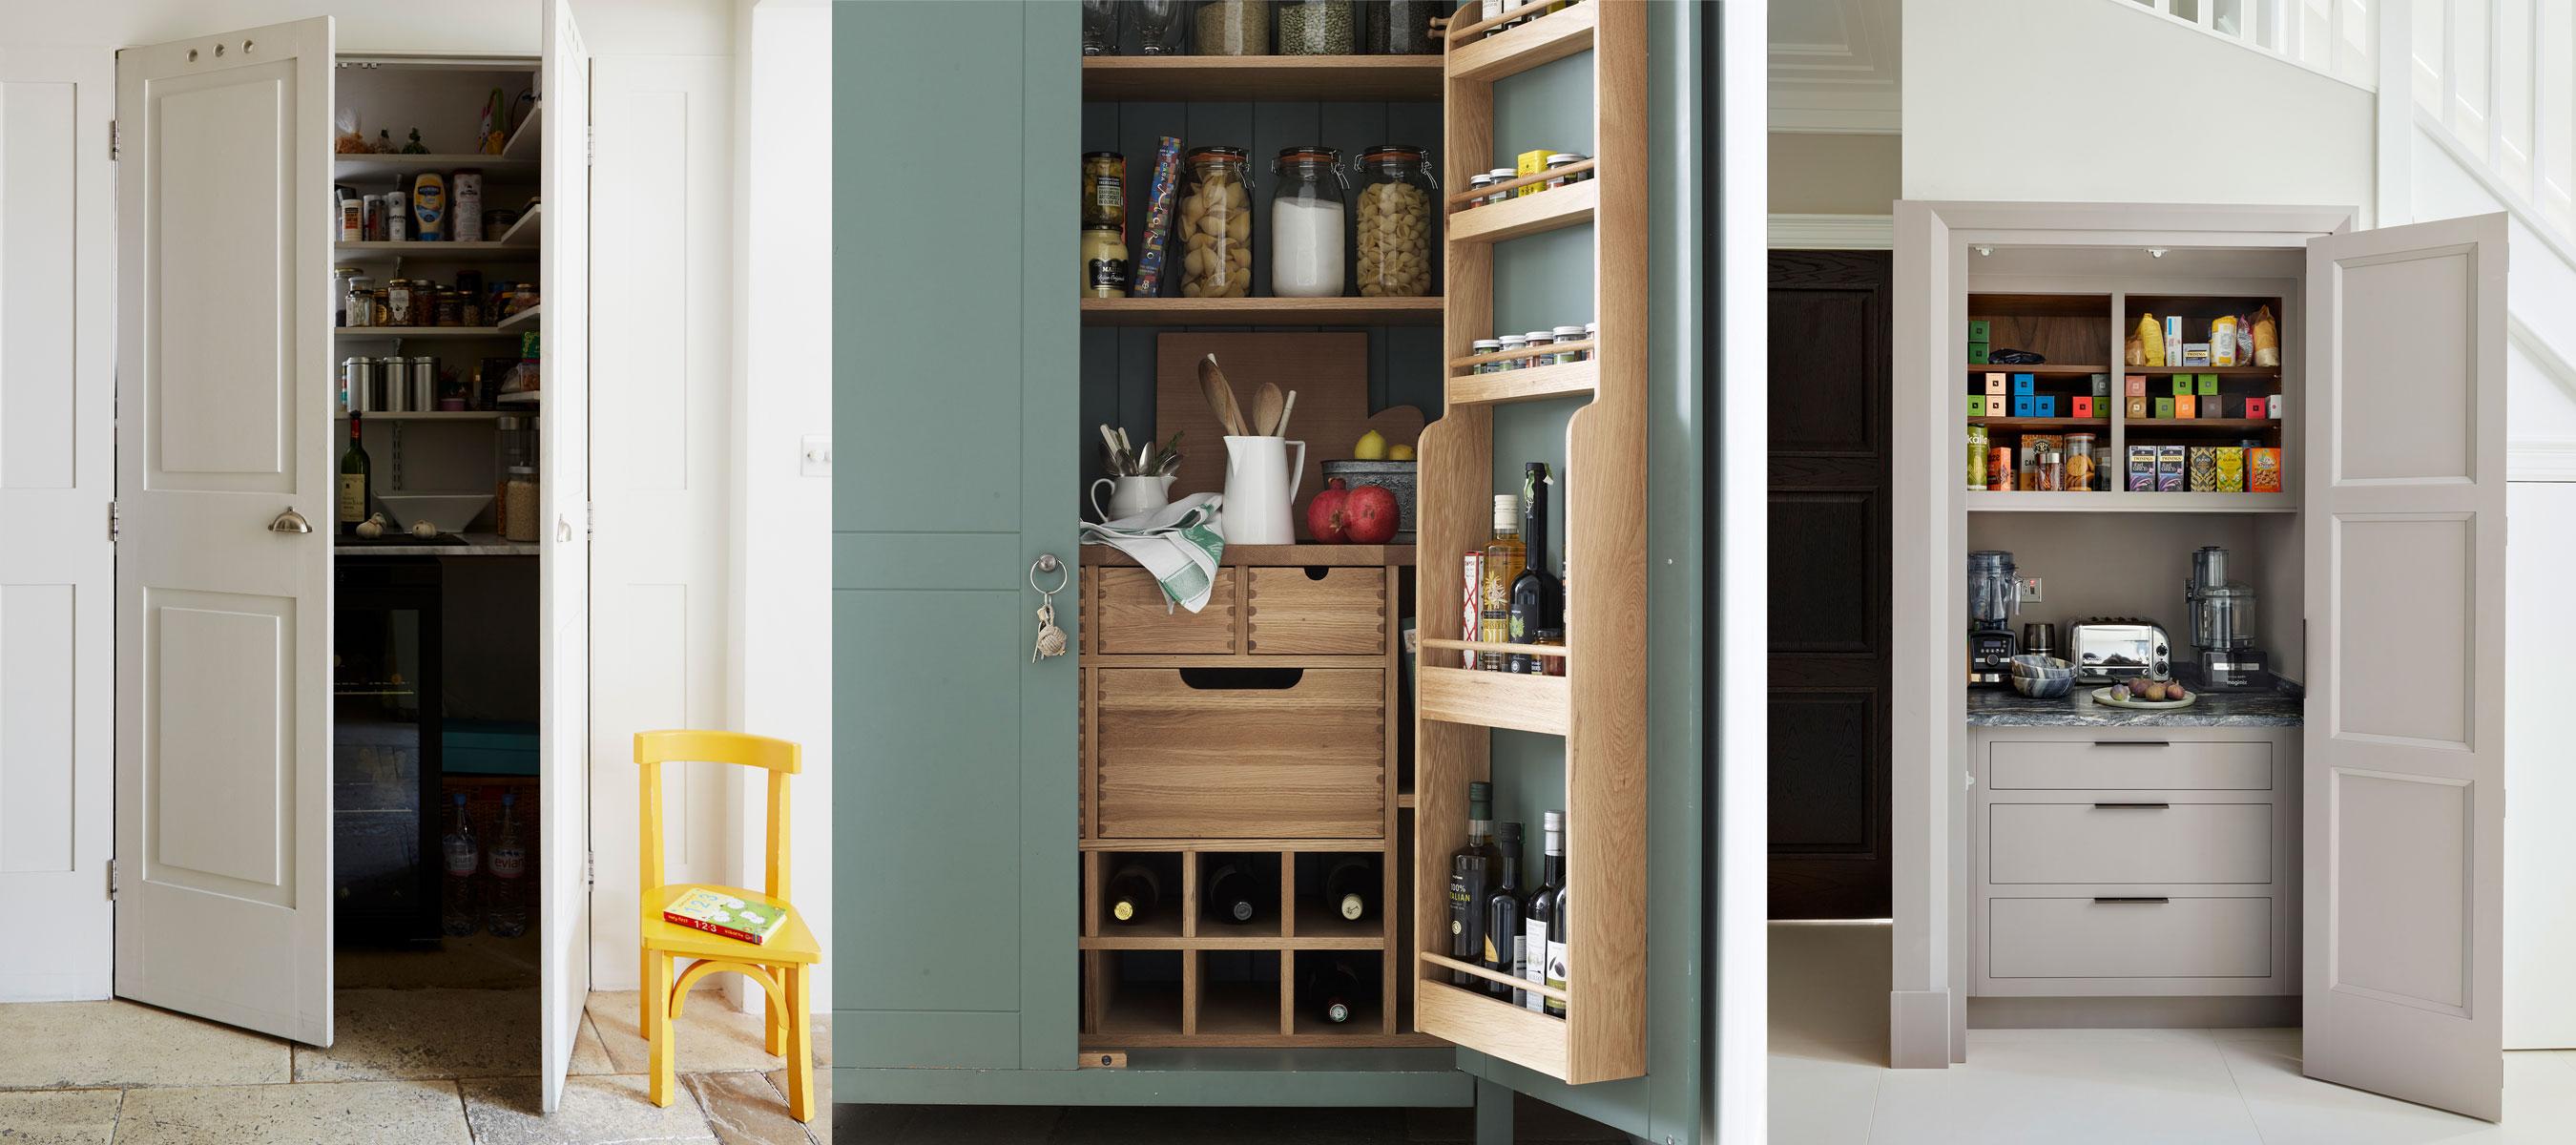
1132 496
1260 484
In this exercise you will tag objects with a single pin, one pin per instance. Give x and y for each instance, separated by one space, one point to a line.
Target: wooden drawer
1131 617
2086 938
1241 753
2129 764
1318 611
2128 843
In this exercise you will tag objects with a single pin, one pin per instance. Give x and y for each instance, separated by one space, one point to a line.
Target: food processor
2222 625
1993 595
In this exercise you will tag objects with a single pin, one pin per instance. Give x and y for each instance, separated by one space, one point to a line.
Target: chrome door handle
289 521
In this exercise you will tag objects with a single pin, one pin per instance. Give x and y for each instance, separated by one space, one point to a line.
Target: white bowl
449 512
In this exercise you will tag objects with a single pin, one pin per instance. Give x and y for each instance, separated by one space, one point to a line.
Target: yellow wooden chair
783 966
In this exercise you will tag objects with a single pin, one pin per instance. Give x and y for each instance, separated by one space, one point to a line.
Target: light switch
817 455
2030 590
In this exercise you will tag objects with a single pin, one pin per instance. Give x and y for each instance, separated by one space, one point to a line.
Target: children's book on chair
727 915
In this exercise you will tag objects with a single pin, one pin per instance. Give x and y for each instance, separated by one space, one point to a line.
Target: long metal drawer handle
2132 806
2132 743
2148 899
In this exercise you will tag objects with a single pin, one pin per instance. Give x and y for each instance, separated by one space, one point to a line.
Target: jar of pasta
1216 225
1393 230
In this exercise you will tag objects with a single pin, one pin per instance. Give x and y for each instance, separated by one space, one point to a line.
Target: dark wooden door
1829 583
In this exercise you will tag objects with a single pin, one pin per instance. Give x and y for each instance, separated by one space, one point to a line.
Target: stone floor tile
387 1034
714 1038
59 1117
746 1109
339 1113
61 1045
588 1055
611 1110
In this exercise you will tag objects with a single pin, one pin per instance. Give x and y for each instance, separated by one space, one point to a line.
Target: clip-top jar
1104 190
1216 222
1393 233
1306 223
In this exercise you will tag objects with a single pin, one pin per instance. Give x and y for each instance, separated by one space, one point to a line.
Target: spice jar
1483 346
1565 334
1512 343
1216 218
1307 215
1399 28
1503 175
519 504
1104 263
401 302
1540 340
1393 231
1104 189
1556 177
2051 470
1547 665
359 308
1316 28
1233 28
1476 185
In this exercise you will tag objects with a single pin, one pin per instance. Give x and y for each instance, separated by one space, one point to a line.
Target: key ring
1047 562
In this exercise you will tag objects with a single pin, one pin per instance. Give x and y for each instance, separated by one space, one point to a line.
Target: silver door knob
289 521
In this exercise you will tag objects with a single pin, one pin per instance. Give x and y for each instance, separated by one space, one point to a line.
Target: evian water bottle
456 891
508 916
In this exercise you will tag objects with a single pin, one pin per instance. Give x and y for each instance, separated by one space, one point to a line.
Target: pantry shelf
528 231
1329 79
495 168
1553 209
2221 371
1545 39
1519 701
2042 424
2126 501
2227 425
525 142
524 320
485 251
427 415
1261 311
1537 383
394 333
521 397
2040 369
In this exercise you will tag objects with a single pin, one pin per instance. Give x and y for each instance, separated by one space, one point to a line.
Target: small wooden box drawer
1317 611
2089 938
2129 764
1131 617
2128 843
1241 753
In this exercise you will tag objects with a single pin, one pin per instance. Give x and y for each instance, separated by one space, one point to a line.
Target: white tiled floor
1830 1084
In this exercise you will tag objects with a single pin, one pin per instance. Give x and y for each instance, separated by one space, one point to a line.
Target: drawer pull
2149 899
2132 806
2132 743
1241 679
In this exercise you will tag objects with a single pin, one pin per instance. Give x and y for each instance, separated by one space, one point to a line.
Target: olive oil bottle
1504 556
1471 869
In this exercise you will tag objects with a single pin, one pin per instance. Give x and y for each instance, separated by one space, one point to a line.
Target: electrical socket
2030 590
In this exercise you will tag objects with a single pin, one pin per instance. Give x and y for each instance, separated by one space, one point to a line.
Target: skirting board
2251 1011
1918 1029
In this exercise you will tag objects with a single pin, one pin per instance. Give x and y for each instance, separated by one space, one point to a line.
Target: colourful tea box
2047 406
2142 469
2164 409
2186 406
2257 408
2231 468
2182 384
1979 353
2173 340
2208 384
1976 405
2263 470
1531 163
2170 461
2101 385
1995 386
2024 405
1977 456
2137 410
2272 408
1980 330
2025 383
2083 406
2136 385
2201 469
1999 469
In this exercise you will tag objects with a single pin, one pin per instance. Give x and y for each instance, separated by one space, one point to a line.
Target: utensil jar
1132 496
1260 484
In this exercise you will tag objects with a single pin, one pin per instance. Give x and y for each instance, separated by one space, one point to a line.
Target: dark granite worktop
2005 708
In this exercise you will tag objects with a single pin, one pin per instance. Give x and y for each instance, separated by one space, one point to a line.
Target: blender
2222 625
1993 595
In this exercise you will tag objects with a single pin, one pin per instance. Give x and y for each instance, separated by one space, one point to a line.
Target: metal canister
391 395
358 385
422 381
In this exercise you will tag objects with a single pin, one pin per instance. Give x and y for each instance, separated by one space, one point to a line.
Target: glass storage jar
1104 263
1232 28
1158 26
1216 225
1104 189
1392 232
359 308
1316 28
1100 27
1399 28
1307 213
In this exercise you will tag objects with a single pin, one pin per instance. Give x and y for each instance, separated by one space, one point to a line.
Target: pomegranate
1370 515
1328 515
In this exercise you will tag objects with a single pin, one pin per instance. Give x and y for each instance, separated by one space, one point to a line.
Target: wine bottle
1470 869
1350 885
1558 936
1538 918
1232 893
1537 602
1502 951
353 480
1336 989
1134 893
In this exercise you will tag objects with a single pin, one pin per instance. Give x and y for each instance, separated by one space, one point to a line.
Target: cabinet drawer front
2129 764
2089 843
1133 618
1340 613
1221 760
2082 938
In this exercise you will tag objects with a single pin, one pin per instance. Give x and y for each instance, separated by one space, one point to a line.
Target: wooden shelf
2044 424
388 333
1476 56
495 168
485 251
1329 79
2126 501
1276 555
1553 209
2043 369
1513 700
2221 371
1535 383
1261 311
2237 425
1515 1034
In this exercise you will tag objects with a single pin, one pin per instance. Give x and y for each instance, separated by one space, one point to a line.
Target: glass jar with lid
1307 215
1104 190
1104 263
1231 28
1399 27
1317 27
1216 224
1391 236
359 308
519 504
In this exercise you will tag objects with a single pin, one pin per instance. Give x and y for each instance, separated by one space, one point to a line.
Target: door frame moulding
1832 232
1928 797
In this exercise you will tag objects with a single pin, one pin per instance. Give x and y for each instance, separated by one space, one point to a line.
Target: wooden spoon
1266 410
1220 397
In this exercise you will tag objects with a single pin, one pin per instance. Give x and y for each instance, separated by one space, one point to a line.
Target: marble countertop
2005 708
476 545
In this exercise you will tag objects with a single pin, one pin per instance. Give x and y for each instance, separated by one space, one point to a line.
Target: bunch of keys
1050 638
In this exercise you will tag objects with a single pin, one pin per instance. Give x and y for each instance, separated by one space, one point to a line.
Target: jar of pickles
1104 190
1216 225
1394 225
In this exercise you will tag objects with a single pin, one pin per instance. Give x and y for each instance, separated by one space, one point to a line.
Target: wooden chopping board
1328 371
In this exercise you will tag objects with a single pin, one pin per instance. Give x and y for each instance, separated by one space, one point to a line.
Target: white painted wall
2080 101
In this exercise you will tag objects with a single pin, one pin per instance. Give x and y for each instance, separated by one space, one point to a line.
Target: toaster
2113 649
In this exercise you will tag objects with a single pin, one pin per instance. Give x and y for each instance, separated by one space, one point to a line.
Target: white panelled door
57 475
223 578
2405 531
563 645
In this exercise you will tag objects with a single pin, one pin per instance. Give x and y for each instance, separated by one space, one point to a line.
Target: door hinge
589 869
589 519
115 141
111 879
114 524
589 145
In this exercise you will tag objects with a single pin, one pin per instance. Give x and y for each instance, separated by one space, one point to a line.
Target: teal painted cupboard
967 380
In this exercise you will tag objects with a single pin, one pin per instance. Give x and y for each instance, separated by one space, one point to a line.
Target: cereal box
2263 470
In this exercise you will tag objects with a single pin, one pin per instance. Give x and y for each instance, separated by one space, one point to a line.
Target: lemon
1372 447
1399 453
